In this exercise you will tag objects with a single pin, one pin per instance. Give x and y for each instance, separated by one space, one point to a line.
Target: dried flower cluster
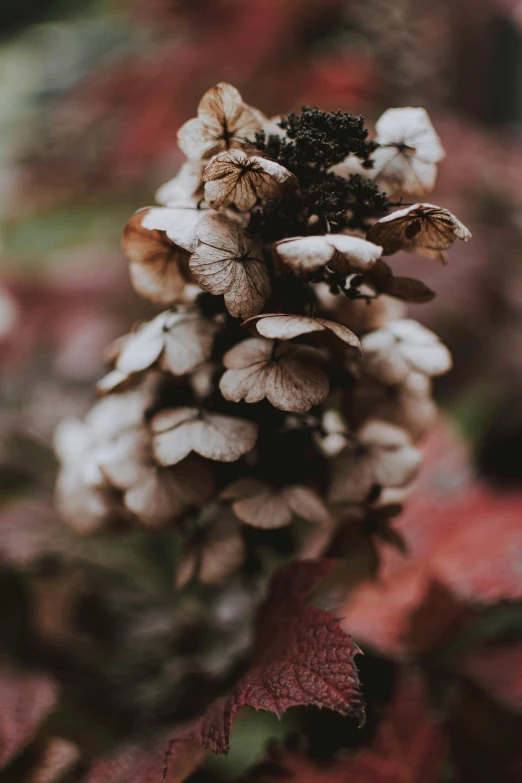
283 381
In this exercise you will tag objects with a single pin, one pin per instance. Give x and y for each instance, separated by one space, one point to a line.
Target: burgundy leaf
408 748
301 657
140 764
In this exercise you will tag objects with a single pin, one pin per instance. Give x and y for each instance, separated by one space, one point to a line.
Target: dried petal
178 431
340 252
289 376
158 267
423 227
263 506
186 188
235 178
278 326
230 263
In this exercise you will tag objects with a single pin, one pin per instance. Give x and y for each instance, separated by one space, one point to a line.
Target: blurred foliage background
91 95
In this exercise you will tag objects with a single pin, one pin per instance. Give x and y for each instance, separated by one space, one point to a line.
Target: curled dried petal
340 252
158 266
278 326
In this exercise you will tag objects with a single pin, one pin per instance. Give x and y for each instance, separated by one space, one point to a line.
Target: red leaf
408 748
25 700
497 669
301 657
462 539
139 764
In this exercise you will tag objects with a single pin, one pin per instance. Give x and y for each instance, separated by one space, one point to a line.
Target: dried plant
282 386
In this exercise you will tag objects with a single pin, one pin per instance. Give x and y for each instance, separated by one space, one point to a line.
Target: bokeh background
91 95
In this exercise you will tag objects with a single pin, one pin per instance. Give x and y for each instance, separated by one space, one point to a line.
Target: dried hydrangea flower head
272 408
283 384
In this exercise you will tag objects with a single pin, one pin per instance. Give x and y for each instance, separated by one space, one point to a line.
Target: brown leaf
230 263
158 267
235 178
340 252
224 122
423 227
178 431
289 376
263 506
278 326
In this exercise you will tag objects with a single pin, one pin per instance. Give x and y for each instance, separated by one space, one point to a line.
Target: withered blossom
176 341
426 228
161 495
186 188
234 178
158 267
278 326
391 353
214 553
339 252
261 505
378 455
229 262
178 431
408 404
289 376
178 222
224 122
83 497
408 153
154 494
